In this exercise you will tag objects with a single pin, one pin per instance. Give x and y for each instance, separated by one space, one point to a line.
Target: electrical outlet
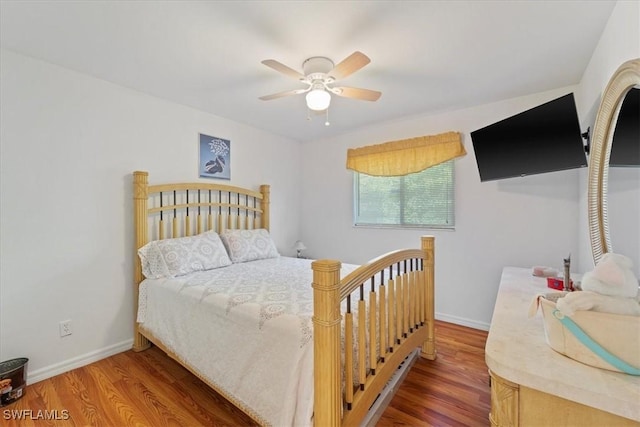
65 328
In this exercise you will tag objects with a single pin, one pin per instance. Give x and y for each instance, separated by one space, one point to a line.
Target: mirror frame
626 77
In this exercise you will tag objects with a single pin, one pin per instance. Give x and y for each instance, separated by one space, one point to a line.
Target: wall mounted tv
625 148
543 139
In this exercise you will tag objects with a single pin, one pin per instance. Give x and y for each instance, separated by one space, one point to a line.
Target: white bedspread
245 328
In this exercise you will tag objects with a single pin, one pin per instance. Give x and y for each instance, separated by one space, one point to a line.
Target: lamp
299 247
318 99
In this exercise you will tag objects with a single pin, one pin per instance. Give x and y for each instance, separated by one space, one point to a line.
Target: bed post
326 341
264 205
429 346
140 196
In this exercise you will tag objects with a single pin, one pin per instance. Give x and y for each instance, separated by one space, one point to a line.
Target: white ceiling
426 56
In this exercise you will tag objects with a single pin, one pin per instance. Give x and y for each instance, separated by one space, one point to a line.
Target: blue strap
594 346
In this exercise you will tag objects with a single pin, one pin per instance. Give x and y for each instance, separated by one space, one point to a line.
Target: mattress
246 328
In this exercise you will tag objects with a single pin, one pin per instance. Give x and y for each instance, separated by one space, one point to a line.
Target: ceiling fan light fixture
318 99
320 74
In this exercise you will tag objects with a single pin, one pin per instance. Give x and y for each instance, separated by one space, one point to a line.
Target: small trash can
13 380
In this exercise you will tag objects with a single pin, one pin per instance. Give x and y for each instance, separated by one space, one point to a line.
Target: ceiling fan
319 75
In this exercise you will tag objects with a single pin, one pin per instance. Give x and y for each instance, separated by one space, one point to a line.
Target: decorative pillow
183 255
249 245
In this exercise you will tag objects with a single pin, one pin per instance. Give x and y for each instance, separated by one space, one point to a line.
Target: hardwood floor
452 390
150 389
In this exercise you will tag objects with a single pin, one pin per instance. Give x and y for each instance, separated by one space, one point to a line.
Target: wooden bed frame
400 288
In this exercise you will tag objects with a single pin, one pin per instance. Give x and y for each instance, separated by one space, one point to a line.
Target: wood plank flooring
150 389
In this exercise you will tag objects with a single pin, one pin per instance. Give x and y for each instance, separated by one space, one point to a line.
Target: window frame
355 200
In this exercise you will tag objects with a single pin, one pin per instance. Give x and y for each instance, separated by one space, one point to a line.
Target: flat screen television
543 139
625 148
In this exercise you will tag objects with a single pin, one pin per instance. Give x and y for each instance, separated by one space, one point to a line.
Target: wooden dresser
532 385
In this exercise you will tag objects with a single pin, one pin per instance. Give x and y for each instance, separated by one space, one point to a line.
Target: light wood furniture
532 385
398 315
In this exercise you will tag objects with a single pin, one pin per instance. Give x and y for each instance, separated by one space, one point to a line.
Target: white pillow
249 245
183 255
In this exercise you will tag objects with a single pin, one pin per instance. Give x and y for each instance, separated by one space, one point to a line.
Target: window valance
405 156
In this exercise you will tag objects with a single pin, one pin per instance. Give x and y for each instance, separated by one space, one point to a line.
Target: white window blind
421 199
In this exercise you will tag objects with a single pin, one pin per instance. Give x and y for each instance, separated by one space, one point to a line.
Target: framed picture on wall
215 157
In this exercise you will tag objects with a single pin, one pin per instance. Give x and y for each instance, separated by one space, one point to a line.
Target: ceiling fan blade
349 65
357 93
281 94
280 67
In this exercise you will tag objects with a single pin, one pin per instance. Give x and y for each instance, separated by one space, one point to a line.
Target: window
421 199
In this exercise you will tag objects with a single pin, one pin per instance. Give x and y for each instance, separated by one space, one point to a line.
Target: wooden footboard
391 302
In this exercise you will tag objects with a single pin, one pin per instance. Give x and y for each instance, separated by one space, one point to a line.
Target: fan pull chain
326 123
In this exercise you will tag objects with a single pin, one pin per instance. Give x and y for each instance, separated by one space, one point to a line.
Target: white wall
69 144
519 222
620 42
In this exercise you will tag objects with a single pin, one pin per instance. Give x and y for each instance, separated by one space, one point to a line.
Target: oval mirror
626 77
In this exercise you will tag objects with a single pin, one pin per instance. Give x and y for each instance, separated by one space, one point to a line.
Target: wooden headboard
185 209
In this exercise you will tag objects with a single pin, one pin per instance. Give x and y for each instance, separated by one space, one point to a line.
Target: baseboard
77 362
463 321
